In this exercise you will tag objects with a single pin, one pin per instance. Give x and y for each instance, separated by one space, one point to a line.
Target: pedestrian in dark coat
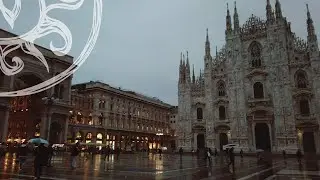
74 153
22 154
40 160
284 154
107 153
241 153
50 155
299 155
231 157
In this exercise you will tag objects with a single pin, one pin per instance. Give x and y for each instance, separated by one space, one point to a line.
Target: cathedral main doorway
262 137
200 141
308 142
223 140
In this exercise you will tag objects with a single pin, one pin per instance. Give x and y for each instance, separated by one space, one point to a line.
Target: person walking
180 152
284 154
299 156
22 154
117 151
241 154
107 153
231 158
50 155
41 159
208 155
160 152
215 152
74 153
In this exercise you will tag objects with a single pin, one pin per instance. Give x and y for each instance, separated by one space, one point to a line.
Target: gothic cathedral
260 91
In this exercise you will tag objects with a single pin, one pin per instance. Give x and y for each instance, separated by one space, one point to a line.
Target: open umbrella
38 141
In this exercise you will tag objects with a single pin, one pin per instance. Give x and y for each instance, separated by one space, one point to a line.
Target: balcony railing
266 101
302 92
306 118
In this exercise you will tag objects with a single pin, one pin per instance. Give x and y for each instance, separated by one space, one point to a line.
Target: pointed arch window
222 113
301 80
199 113
304 107
256 54
221 89
258 90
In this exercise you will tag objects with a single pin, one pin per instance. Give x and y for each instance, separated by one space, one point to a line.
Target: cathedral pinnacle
309 22
216 51
310 26
228 21
207 46
188 65
278 10
269 13
236 18
193 76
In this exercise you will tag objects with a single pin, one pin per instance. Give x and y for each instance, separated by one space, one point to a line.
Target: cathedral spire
228 21
278 10
181 59
269 13
207 48
193 76
310 26
181 69
236 18
216 51
188 69
188 65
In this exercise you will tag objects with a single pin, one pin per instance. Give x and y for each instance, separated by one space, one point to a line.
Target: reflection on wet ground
144 166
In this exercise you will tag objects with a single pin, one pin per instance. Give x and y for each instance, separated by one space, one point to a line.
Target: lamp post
49 102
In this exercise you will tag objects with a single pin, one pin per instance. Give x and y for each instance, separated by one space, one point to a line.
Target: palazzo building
44 114
260 91
105 115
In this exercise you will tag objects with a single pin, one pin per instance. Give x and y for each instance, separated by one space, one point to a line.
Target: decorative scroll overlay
45 26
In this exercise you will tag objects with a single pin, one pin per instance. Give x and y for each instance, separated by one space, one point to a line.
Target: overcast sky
140 40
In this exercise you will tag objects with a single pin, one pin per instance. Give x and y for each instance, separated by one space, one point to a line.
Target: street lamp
49 102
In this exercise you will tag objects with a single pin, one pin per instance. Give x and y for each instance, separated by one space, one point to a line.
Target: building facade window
256 55
258 90
221 88
304 107
301 80
199 113
222 113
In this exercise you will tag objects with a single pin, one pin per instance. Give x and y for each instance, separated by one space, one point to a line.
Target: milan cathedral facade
260 91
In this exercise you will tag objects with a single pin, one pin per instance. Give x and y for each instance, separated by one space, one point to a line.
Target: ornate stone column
7 110
43 125
66 125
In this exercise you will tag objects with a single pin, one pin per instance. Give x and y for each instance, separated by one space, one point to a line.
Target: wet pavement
144 166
